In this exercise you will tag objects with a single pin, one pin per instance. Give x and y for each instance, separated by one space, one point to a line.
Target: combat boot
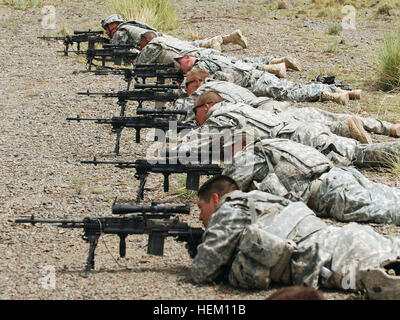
382 283
277 69
290 63
355 94
357 131
213 43
394 130
236 37
341 97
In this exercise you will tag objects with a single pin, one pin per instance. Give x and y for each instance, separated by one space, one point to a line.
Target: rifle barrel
88 32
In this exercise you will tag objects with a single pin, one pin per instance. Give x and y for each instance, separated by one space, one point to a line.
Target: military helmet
110 19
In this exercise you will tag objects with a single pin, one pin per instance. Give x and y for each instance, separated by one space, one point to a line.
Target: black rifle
91 37
157 225
146 70
151 120
331 80
135 95
144 167
109 53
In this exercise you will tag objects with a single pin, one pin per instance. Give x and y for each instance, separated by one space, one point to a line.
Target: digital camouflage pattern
259 82
341 150
337 122
128 34
257 238
165 49
227 90
346 195
294 171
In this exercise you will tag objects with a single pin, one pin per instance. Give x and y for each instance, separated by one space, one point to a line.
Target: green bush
157 13
335 29
389 63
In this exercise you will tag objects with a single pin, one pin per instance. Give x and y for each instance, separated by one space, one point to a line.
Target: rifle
151 120
136 95
157 225
109 53
78 37
144 167
145 70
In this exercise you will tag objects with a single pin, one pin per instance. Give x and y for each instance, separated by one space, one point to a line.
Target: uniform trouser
340 149
258 62
346 195
348 252
263 84
319 136
337 122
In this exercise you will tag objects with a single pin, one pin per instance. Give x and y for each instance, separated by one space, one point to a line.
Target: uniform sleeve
204 138
246 167
219 242
149 54
120 37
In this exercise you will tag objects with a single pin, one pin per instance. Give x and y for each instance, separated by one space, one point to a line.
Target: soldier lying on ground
133 32
166 49
261 83
219 117
141 34
254 239
198 81
163 48
301 173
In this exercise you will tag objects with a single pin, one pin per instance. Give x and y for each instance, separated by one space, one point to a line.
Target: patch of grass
389 63
160 14
78 185
384 10
334 29
179 188
96 191
333 47
23 4
393 162
282 5
63 30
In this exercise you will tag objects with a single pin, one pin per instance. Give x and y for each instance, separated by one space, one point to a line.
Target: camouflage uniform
337 122
165 49
227 90
342 150
256 238
259 82
299 172
230 92
130 32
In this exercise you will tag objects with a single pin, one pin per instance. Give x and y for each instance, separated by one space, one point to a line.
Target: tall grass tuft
22 4
335 29
157 13
393 162
389 63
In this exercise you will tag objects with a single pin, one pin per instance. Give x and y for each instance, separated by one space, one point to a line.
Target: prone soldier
164 48
345 125
262 83
253 239
216 116
137 32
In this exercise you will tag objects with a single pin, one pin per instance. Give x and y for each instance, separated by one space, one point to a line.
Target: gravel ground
40 154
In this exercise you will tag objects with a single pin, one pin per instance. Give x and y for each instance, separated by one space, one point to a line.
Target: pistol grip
122 245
